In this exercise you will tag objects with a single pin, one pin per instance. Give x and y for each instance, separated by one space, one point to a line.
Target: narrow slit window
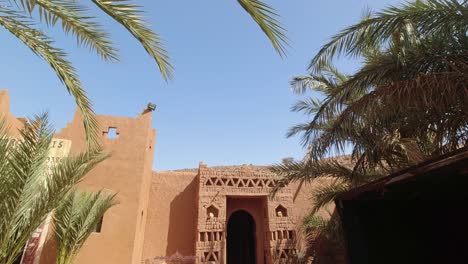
98 226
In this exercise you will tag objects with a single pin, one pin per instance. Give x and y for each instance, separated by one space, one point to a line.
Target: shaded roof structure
416 215
454 163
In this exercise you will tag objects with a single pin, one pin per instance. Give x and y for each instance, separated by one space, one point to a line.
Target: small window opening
98 226
111 133
281 211
212 212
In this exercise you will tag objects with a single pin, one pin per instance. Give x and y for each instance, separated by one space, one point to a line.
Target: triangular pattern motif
271 184
236 182
219 182
250 183
255 182
240 182
208 182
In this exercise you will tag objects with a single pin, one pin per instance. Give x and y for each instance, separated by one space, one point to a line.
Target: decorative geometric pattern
238 182
215 185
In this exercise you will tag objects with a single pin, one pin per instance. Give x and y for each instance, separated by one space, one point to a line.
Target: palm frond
266 18
428 17
329 82
309 170
407 102
441 98
75 219
327 193
395 96
308 106
21 27
75 19
300 84
315 222
330 228
322 83
24 166
129 15
29 189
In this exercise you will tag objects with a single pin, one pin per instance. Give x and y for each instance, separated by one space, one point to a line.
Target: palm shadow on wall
182 222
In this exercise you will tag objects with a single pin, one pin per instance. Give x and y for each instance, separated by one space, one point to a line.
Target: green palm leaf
329 227
29 191
21 27
265 17
129 16
429 17
309 170
326 194
406 102
75 18
75 219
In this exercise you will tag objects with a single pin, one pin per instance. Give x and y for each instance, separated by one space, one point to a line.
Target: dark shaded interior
241 238
18 258
419 216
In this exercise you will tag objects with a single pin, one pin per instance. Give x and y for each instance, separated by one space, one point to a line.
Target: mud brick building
202 215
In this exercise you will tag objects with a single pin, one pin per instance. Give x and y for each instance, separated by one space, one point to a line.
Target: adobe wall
128 173
12 123
172 215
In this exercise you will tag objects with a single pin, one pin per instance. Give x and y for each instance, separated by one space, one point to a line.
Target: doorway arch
241 238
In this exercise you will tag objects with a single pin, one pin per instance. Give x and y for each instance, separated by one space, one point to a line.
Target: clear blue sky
229 102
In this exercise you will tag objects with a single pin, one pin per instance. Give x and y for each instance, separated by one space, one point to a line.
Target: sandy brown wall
171 218
127 173
303 199
12 124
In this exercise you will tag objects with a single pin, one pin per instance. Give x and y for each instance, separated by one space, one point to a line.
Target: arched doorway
241 238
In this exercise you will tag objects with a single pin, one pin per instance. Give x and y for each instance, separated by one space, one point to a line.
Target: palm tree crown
408 101
29 189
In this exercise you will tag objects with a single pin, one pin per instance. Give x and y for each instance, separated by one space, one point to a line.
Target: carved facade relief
215 186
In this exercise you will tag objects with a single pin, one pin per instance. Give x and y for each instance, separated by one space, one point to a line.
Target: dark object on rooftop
151 107
417 215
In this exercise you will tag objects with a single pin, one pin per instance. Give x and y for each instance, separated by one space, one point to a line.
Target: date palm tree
21 18
408 100
29 189
414 75
75 219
